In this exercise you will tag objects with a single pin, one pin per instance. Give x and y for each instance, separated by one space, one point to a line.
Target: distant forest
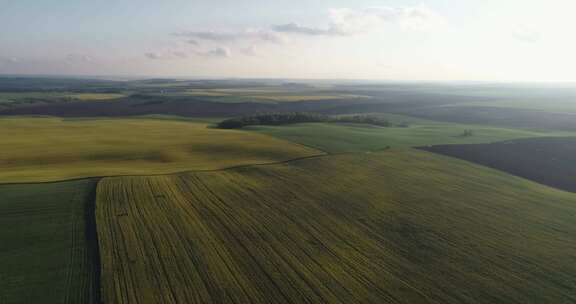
273 119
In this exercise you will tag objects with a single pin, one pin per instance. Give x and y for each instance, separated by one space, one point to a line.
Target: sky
488 40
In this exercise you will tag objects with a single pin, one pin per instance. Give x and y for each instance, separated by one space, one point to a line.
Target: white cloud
526 35
346 21
353 21
209 35
166 55
153 55
220 52
295 28
250 51
79 58
343 22
9 60
259 35
180 54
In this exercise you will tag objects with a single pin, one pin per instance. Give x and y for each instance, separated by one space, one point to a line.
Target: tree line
273 119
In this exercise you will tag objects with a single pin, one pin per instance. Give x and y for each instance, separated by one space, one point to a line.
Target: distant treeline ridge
272 119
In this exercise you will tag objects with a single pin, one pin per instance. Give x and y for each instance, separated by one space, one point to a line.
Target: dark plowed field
550 161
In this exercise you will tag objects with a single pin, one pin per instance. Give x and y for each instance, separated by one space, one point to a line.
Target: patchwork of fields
400 226
550 161
49 149
47 255
340 137
163 208
261 94
9 97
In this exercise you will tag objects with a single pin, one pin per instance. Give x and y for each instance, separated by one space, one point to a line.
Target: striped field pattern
47 254
401 226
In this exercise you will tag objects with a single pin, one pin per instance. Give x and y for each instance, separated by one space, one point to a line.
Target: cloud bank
230 36
347 22
342 22
79 58
526 35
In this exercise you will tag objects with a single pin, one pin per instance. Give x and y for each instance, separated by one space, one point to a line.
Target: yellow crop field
305 97
49 95
97 96
399 226
270 94
48 149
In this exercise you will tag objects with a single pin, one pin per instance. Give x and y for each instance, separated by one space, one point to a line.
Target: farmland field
400 226
341 137
47 254
515 117
263 94
125 191
550 161
47 149
269 98
95 96
15 96
555 105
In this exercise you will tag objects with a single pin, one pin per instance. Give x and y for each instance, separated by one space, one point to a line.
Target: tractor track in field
302 234
93 245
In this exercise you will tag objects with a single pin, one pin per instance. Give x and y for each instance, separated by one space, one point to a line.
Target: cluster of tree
369 119
272 119
467 133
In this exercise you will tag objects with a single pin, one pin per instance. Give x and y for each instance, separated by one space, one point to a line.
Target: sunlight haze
507 40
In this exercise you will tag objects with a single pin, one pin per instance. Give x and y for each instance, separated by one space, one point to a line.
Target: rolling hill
400 226
50 149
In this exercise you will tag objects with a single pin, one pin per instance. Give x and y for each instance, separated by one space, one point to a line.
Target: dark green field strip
340 137
400 226
48 253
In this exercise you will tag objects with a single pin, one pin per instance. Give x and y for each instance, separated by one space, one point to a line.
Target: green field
16 96
45 255
158 205
549 105
96 96
399 226
340 137
48 149
261 95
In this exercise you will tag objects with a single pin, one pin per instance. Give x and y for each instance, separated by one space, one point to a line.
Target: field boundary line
323 154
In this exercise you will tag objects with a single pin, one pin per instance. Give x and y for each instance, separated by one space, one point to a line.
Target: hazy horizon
427 40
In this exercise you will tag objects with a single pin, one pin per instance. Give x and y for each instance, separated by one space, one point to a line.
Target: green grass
48 149
358 137
44 253
400 226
